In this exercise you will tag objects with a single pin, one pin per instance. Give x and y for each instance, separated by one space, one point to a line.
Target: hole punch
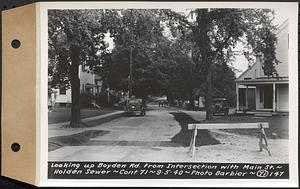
15 43
15 147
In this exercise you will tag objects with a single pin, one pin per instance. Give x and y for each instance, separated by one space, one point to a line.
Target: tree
141 32
217 31
224 82
161 65
76 37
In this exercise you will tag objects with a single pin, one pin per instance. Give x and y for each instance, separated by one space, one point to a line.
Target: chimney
259 62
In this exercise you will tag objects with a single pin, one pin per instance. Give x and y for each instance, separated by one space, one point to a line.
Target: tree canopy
216 33
172 54
76 37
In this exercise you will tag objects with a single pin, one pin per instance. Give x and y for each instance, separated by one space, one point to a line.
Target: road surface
129 138
149 138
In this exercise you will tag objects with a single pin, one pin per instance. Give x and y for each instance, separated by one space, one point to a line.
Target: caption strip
147 170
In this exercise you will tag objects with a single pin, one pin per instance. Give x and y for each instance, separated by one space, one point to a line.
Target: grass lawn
278 125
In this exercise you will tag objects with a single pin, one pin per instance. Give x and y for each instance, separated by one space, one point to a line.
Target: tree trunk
203 44
75 88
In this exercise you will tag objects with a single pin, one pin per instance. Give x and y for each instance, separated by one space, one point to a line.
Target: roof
255 71
249 68
264 80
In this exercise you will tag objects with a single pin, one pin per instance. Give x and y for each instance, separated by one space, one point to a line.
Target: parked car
220 105
135 106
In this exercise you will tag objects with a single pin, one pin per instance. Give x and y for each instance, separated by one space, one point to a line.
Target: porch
262 95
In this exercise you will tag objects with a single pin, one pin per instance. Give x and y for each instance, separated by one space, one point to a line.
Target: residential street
152 138
221 65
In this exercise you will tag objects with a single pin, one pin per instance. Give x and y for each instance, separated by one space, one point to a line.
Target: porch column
246 97
237 96
274 92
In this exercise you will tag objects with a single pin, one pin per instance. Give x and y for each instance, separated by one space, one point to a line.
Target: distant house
257 92
89 83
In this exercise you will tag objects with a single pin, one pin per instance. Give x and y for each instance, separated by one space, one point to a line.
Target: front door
268 96
251 98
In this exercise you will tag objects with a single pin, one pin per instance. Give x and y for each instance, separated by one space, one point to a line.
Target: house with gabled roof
90 83
257 92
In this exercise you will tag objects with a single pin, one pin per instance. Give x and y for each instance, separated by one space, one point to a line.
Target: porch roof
258 81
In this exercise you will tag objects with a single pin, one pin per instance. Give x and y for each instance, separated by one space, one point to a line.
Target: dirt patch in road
73 140
184 136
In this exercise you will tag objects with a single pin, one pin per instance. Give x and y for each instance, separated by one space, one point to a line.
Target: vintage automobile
220 105
135 106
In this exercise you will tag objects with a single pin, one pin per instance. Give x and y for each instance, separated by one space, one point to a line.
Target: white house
89 83
257 92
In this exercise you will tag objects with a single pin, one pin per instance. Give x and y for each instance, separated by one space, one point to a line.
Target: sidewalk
57 129
86 119
62 114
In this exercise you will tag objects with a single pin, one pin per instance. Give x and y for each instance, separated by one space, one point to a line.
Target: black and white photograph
179 84
150 93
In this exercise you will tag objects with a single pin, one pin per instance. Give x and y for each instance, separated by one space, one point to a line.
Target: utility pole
130 73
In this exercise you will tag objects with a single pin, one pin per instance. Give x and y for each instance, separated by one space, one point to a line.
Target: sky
240 62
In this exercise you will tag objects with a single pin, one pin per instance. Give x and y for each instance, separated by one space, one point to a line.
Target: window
62 91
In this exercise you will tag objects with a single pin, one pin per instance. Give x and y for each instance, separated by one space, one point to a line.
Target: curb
102 119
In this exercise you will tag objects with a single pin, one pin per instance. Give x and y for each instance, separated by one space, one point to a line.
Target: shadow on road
184 136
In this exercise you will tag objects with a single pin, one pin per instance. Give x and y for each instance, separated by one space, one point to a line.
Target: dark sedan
135 106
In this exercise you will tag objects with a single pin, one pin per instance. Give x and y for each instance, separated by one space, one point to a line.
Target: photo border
42 77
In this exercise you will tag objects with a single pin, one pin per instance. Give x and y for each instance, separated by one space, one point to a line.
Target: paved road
131 138
149 138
